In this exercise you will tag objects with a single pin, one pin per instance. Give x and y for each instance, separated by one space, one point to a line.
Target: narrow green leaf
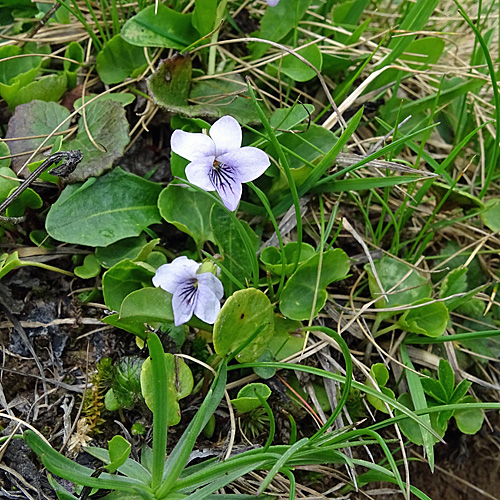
420 402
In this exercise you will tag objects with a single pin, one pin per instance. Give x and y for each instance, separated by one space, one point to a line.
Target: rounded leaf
179 385
240 317
247 399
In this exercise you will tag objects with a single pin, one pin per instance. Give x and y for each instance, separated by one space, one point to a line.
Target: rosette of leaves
125 389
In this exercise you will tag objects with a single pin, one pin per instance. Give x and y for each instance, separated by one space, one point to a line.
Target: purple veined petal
192 146
208 280
272 3
207 305
184 301
226 133
248 163
227 184
199 172
170 276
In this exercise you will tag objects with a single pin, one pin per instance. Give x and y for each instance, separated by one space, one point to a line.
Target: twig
70 160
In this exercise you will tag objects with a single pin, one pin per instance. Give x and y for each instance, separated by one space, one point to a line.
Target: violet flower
192 293
218 162
272 3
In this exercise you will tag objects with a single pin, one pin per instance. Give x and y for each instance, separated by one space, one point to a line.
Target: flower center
189 290
222 176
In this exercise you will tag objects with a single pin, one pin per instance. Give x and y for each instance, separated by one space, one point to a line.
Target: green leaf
204 15
148 305
303 289
412 286
414 20
170 87
90 268
277 22
460 391
179 384
246 400
128 248
126 383
423 52
287 340
223 96
307 146
8 185
4 151
8 263
232 247
241 316
104 210
17 72
48 88
435 390
471 420
491 214
271 257
164 28
411 429
130 468
73 51
446 378
108 126
111 401
419 403
348 13
289 118
124 98
454 283
136 327
68 469
119 451
299 71
170 83
380 373
430 319
179 456
37 118
188 210
61 492
28 198
119 60
123 279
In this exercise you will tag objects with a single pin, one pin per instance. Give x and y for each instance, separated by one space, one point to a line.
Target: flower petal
192 146
230 193
272 3
207 304
248 162
170 276
184 301
199 173
226 133
208 280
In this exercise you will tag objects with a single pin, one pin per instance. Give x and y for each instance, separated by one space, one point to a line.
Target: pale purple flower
192 293
272 3
218 162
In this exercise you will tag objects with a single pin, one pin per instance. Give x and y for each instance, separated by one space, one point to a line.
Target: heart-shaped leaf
104 210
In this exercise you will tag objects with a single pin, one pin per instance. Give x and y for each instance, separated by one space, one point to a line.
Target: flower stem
45 266
286 167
